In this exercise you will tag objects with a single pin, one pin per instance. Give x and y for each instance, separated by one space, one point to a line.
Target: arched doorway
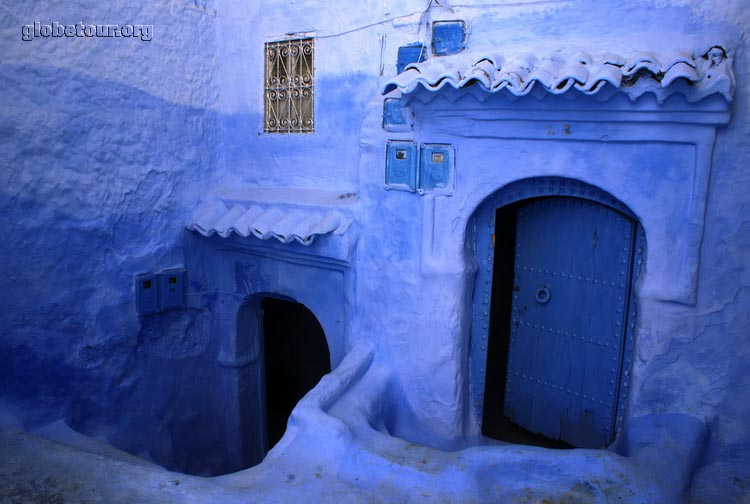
280 352
559 309
295 357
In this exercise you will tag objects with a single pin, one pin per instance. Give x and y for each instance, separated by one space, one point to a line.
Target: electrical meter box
146 294
436 173
395 117
401 165
172 288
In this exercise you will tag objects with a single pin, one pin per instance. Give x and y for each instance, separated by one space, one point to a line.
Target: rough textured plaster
107 151
106 144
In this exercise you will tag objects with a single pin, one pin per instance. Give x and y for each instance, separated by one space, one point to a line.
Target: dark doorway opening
561 285
296 356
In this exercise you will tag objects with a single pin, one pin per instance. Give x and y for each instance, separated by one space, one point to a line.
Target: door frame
482 306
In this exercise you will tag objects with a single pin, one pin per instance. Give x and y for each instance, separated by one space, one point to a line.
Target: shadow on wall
101 178
97 182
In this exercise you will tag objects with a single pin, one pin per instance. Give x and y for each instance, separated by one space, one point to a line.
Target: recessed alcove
564 259
272 268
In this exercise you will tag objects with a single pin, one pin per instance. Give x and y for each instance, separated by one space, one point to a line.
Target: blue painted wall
346 78
421 325
108 145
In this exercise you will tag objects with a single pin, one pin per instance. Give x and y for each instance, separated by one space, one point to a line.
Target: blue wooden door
572 268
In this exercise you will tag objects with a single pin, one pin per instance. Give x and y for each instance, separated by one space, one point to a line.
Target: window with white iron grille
289 87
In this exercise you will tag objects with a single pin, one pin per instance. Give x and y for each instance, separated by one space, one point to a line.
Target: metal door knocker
543 294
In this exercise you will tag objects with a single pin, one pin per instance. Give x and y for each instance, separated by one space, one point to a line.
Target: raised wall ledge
293 224
480 106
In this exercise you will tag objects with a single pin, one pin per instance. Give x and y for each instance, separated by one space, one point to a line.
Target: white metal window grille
289 87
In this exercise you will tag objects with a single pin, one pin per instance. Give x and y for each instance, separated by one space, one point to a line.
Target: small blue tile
448 37
411 53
